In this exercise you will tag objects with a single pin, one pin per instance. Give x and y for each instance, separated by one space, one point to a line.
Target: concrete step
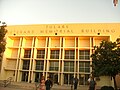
20 85
1 83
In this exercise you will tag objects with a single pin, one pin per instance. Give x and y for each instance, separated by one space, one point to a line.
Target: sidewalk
8 88
63 87
55 87
32 86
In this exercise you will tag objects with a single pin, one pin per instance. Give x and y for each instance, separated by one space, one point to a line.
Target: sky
17 12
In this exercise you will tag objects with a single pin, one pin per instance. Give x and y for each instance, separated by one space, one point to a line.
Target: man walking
75 82
92 83
48 83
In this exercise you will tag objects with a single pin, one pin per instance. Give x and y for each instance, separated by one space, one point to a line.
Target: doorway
68 78
83 79
38 76
54 77
25 76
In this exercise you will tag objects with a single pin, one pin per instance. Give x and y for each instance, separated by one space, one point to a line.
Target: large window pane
84 66
27 53
69 54
54 66
69 66
40 54
39 65
84 54
26 64
54 54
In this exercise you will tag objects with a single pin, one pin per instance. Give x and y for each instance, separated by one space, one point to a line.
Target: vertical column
20 62
48 56
62 68
32 61
18 59
60 53
78 55
75 65
45 57
91 49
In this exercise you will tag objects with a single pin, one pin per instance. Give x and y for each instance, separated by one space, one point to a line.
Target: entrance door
25 76
38 76
83 79
54 77
68 78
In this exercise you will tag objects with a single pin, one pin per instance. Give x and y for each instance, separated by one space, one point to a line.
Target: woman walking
42 83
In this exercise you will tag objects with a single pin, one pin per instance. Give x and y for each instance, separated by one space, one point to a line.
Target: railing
7 82
37 86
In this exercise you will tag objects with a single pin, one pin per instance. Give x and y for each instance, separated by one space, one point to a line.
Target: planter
104 81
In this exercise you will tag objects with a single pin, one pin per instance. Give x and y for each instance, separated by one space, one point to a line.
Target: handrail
36 86
7 82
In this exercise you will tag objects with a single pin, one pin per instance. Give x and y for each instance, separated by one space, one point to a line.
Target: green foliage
106 59
3 32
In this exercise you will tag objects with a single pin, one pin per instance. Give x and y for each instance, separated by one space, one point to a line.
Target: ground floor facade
59 51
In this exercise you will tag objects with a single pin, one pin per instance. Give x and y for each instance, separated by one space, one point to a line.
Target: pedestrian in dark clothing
48 84
75 82
92 83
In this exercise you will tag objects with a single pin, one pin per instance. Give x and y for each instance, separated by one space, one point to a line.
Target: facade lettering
65 30
56 26
97 31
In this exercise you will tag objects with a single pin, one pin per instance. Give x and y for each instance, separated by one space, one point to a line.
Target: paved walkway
7 88
55 87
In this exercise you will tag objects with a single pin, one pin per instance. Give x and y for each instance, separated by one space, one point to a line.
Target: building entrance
83 79
25 76
68 78
38 76
54 77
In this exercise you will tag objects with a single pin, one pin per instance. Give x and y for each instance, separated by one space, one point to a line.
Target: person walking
48 84
75 82
92 83
42 83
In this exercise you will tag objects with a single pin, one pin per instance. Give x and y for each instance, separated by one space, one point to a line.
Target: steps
21 85
1 83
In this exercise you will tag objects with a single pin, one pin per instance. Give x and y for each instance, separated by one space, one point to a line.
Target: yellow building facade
60 51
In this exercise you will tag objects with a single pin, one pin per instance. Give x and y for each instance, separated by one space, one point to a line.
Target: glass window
84 66
54 66
69 54
39 65
84 54
27 53
26 64
69 66
40 54
54 54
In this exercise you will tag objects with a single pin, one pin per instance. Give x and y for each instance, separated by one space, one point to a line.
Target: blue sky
15 12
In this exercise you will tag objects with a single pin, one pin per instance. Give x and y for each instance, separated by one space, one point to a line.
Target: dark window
54 66
54 54
84 66
27 53
40 54
39 65
69 54
69 66
26 64
84 54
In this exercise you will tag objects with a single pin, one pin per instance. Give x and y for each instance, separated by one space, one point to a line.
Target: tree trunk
115 84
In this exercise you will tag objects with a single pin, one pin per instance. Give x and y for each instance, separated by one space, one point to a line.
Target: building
60 51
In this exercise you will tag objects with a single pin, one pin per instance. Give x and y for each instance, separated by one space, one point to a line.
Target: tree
3 32
106 60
